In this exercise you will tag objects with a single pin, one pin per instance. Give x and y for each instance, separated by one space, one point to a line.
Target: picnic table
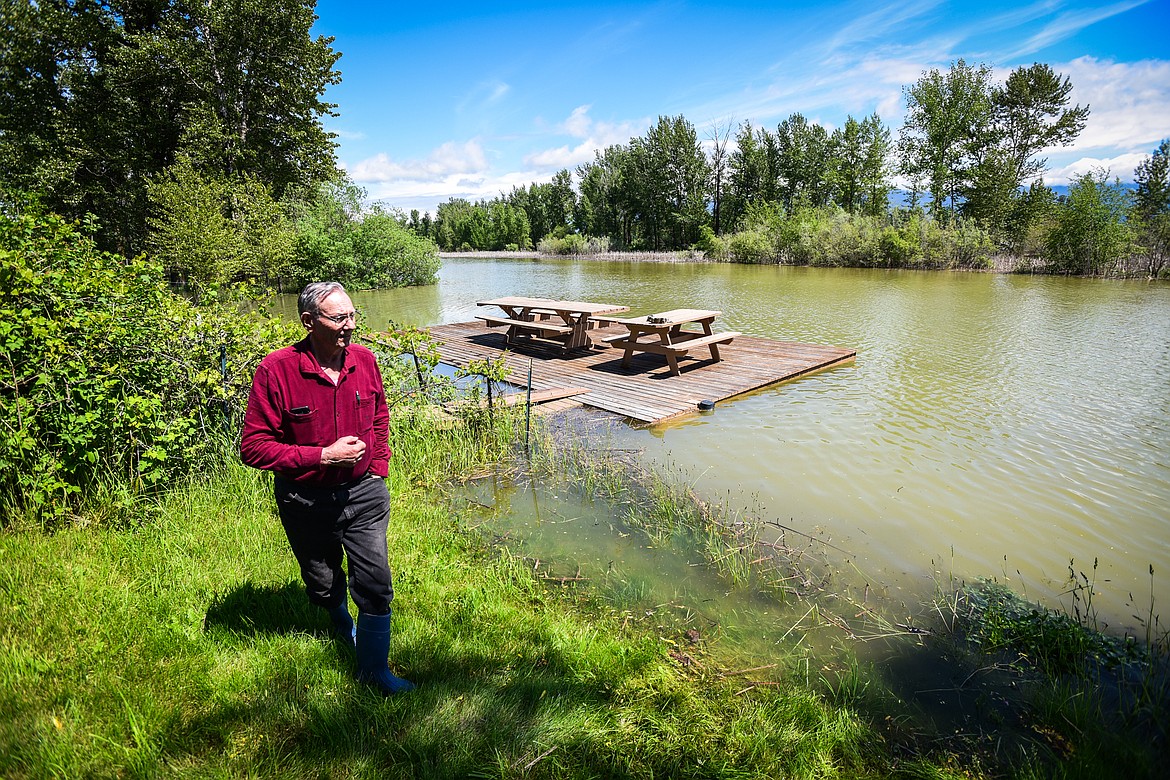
666 336
566 322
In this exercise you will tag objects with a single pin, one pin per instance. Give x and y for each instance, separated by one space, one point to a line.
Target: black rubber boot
373 652
343 627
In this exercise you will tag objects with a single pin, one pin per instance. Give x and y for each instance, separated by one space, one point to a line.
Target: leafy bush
337 238
712 246
830 236
960 245
751 246
217 231
896 248
1090 233
109 377
573 244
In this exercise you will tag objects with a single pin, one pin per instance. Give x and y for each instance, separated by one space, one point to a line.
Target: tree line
192 132
970 148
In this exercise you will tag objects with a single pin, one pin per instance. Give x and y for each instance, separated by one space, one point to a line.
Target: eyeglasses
339 319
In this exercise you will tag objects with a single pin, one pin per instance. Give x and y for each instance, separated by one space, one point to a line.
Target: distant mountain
902 197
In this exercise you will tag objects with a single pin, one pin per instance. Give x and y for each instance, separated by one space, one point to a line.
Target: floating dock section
645 391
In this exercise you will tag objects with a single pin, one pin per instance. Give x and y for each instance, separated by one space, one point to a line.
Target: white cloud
445 161
594 135
1122 167
1069 23
1129 102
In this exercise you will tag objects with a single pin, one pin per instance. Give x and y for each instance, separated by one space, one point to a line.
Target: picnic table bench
566 322
673 341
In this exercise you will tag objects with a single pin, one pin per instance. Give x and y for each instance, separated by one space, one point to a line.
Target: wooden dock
645 391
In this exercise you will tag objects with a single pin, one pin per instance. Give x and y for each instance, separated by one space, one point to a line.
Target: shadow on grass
248 609
472 715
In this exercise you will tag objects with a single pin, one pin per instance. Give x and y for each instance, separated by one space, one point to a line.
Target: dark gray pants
322 523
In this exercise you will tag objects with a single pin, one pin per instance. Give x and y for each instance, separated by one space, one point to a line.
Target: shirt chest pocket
304 426
365 412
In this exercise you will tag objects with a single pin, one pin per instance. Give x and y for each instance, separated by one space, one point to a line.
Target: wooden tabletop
578 307
671 318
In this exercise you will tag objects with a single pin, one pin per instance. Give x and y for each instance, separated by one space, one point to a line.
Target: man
317 418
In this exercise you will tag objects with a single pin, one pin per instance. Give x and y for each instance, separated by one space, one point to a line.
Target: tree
101 97
1028 115
875 170
720 135
1152 208
847 161
803 162
747 171
549 206
1090 233
670 183
605 205
947 118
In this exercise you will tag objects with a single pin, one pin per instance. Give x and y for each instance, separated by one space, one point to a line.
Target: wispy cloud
1069 23
485 94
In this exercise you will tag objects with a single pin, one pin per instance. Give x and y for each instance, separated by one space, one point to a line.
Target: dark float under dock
645 392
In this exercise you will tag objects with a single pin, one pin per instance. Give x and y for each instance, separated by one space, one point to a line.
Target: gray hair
315 292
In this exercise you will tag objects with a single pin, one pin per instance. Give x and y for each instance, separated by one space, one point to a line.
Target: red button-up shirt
295 411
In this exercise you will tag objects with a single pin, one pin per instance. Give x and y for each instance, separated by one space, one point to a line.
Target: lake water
991 426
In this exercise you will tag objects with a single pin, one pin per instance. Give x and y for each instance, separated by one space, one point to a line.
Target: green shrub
712 246
751 246
338 238
573 244
109 377
896 249
830 236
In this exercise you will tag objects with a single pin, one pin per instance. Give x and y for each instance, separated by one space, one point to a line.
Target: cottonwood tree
875 172
670 175
858 165
549 205
719 136
1029 113
753 171
605 206
947 117
803 162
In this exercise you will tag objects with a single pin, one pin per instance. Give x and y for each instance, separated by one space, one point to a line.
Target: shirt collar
309 364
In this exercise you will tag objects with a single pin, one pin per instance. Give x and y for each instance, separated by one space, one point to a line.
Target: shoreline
1000 264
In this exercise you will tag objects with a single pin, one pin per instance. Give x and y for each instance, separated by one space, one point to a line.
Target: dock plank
645 391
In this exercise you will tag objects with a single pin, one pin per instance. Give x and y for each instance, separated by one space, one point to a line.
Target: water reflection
990 425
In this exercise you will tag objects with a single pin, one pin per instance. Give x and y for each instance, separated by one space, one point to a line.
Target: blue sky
470 99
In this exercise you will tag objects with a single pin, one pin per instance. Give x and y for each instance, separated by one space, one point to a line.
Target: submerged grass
1034 692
